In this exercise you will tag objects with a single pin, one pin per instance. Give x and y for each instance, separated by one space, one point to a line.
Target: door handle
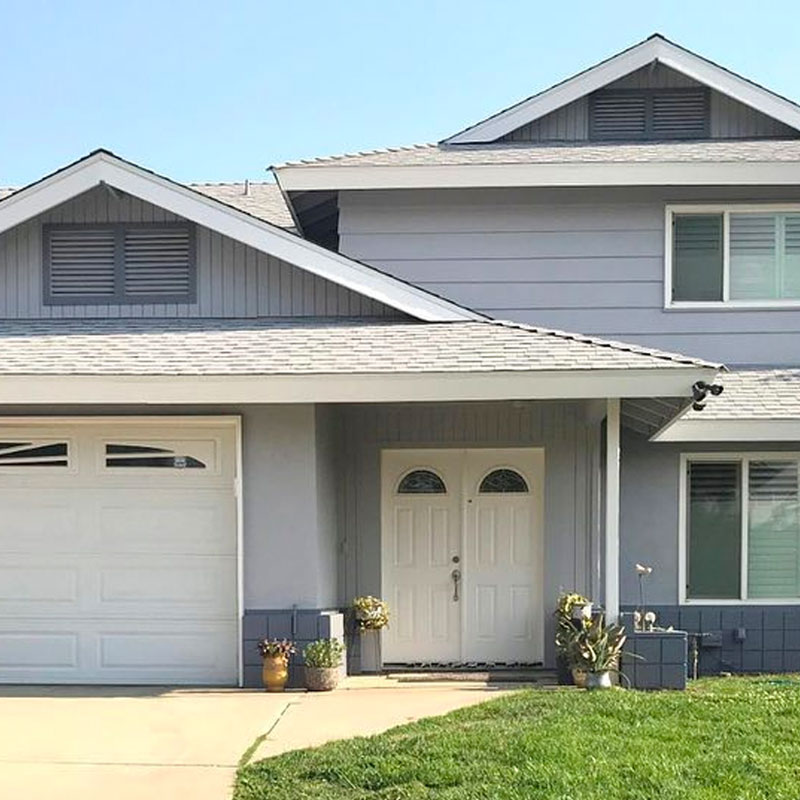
456 576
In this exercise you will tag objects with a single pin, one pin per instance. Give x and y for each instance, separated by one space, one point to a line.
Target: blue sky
219 90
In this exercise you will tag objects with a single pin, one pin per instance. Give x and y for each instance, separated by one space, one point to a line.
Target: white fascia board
405 387
474 176
104 168
731 430
616 67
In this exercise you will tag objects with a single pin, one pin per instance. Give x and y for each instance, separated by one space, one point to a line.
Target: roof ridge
232 183
352 154
610 343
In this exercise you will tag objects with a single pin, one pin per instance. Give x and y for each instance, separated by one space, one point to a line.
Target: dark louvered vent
642 114
618 115
81 262
773 480
118 263
158 262
713 482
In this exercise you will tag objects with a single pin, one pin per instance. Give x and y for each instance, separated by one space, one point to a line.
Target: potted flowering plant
596 648
371 616
323 661
571 609
275 671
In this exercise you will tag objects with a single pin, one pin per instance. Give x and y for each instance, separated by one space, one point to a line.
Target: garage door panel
171 588
121 575
175 522
20 651
28 524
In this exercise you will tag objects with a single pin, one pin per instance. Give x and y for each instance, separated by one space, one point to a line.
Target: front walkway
98 743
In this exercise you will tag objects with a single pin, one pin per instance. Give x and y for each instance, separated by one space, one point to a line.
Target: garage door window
34 454
138 456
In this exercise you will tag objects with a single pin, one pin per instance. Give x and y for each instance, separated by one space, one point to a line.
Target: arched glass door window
421 481
503 481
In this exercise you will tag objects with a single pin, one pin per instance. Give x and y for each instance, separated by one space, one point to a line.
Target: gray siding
583 260
649 512
571 443
232 280
730 119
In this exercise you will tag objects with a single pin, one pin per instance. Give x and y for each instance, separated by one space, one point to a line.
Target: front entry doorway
462 556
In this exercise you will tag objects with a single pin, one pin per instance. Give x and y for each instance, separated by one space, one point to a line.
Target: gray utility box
663 658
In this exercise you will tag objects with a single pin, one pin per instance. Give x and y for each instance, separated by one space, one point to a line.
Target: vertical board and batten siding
565 431
233 280
584 260
730 119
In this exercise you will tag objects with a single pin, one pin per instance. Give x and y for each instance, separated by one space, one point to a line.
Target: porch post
612 510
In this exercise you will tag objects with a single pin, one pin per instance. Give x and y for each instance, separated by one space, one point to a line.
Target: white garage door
118 553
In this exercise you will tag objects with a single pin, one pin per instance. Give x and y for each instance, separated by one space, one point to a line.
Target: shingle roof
263 200
297 347
754 395
531 153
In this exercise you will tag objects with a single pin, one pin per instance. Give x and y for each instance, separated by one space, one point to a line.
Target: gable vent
157 261
649 114
81 262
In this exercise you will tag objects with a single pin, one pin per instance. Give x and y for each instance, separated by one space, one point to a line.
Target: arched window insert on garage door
503 481
421 481
34 454
138 456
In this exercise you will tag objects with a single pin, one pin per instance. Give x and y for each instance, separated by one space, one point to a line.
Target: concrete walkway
131 744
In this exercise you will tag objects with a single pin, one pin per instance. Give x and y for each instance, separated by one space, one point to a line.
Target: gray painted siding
566 431
233 280
650 475
730 119
584 260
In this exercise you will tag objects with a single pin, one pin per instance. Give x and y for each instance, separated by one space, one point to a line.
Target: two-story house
229 409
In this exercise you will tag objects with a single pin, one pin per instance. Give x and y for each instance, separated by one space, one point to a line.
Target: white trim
394 387
612 509
337 176
731 430
743 458
104 167
725 209
653 49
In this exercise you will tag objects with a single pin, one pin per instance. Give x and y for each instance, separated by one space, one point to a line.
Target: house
229 409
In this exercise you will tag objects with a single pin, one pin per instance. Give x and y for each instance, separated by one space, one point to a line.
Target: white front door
462 555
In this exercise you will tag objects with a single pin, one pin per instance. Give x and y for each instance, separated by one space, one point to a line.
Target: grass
731 738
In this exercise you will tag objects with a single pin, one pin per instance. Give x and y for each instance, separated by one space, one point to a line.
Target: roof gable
655 49
102 167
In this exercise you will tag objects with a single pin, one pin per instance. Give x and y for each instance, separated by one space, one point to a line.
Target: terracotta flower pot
579 677
322 679
275 673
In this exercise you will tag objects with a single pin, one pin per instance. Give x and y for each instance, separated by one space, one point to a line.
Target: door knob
456 576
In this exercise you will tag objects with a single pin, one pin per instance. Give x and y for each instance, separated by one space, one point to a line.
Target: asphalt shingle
297 347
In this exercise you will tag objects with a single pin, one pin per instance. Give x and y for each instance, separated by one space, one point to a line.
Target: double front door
462 555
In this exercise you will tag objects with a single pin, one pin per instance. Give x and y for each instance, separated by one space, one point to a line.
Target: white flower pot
598 680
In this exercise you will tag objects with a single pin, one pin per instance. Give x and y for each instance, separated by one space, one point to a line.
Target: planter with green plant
371 616
323 664
571 608
275 670
595 649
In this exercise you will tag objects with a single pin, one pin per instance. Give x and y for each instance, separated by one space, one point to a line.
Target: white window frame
726 209
743 458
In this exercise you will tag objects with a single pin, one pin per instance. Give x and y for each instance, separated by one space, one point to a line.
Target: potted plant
596 648
371 616
323 664
572 607
275 670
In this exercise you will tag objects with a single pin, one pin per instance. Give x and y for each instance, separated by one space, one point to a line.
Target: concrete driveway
103 743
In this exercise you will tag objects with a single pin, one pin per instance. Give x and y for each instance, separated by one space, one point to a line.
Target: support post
612 511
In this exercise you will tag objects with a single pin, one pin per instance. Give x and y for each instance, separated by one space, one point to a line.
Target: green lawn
732 738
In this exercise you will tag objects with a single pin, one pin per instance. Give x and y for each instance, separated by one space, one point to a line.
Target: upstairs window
734 256
649 114
119 263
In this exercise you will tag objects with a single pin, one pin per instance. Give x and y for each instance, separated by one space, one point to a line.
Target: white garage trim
230 422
